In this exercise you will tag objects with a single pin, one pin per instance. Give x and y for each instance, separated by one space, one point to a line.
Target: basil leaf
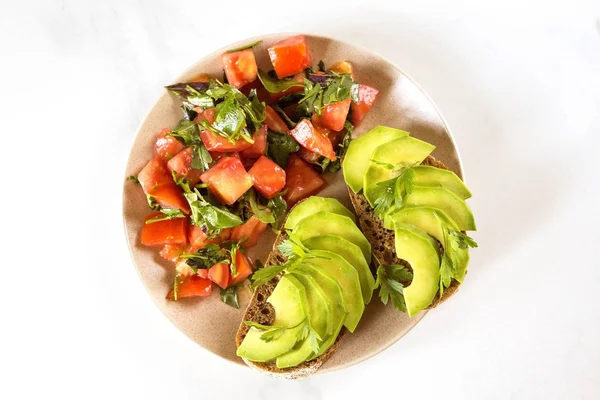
229 296
182 90
186 132
206 257
280 147
321 66
273 85
286 118
168 213
263 213
201 157
278 208
244 47
211 217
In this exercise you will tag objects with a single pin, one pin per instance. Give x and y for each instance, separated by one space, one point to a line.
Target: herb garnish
168 213
245 47
391 280
454 241
187 132
280 147
305 331
134 179
208 216
392 192
206 257
273 85
229 296
338 88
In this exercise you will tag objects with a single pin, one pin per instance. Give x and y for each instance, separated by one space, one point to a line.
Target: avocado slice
347 277
320 315
420 250
323 223
313 205
352 254
426 175
291 307
359 153
398 153
442 198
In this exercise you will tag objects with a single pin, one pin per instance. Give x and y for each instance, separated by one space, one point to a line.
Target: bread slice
262 312
382 240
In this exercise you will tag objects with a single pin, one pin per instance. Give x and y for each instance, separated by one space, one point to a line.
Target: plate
209 322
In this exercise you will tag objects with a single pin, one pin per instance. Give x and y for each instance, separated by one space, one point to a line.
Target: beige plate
211 323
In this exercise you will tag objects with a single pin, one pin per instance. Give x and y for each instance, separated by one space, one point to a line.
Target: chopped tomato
170 231
313 139
290 56
157 182
216 156
299 77
240 67
192 286
220 144
199 239
301 180
219 274
203 273
268 178
341 67
171 252
250 230
274 121
259 147
334 115
227 179
243 269
181 164
366 98
308 156
207 114
166 146
201 77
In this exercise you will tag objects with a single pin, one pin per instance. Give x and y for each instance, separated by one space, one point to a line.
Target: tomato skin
268 178
219 274
243 268
313 139
227 179
274 122
301 180
240 67
334 115
220 144
259 147
366 98
181 164
171 231
290 56
157 182
167 147
308 156
171 252
251 230
203 273
198 239
192 286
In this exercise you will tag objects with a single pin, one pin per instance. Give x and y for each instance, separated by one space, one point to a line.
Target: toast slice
382 239
262 312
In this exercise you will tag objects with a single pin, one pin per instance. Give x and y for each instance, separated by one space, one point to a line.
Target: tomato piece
215 143
313 139
201 77
170 231
301 180
216 156
268 178
219 274
227 179
166 146
274 122
366 98
198 239
192 286
334 115
259 147
290 56
171 252
203 273
341 67
250 230
243 268
299 77
157 182
207 114
240 67
308 156
181 164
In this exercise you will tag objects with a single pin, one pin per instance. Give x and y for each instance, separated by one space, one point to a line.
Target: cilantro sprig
338 87
391 280
304 331
451 266
391 193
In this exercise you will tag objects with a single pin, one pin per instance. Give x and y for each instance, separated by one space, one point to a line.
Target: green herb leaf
244 47
229 296
392 192
273 334
152 203
390 287
280 147
209 216
258 326
206 257
286 118
186 132
201 157
168 213
337 88
277 85
278 208
176 286
134 179
265 274
321 66
263 213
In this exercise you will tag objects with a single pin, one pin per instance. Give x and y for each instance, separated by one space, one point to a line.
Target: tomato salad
248 147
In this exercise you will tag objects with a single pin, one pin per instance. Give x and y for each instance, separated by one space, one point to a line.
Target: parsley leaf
229 296
280 147
392 192
244 47
168 213
455 242
206 257
274 85
278 207
134 179
265 274
388 282
338 87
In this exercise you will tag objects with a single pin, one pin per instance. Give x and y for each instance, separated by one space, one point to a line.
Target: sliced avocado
352 254
359 153
291 306
347 277
426 175
320 315
313 205
431 220
323 223
442 198
421 251
388 158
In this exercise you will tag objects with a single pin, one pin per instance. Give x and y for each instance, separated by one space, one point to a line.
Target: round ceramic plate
209 322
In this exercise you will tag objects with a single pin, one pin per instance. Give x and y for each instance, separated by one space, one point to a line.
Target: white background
519 86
